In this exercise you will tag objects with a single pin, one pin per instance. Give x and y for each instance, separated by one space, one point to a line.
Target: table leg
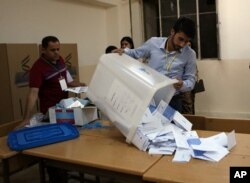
6 171
42 171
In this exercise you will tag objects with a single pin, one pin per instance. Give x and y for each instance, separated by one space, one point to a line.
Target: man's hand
119 50
75 84
31 100
22 124
178 85
82 84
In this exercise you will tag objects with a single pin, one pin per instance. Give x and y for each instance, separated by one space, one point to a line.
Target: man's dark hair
185 25
47 39
110 48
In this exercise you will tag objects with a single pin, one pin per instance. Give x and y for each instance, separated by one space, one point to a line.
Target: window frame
198 34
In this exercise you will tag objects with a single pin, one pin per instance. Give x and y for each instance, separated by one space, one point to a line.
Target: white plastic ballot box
122 88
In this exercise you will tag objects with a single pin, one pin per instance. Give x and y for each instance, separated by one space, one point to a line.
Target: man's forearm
75 84
30 103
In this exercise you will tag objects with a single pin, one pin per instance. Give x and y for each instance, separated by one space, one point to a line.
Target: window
160 15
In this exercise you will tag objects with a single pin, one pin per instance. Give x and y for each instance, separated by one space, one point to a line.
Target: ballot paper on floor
122 88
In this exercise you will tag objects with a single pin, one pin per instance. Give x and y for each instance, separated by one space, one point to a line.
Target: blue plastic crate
41 135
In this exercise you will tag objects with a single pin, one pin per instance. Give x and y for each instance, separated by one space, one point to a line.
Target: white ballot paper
73 102
181 121
210 149
231 140
182 155
165 131
140 141
79 89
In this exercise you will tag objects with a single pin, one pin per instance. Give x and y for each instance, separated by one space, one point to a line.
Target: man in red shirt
45 77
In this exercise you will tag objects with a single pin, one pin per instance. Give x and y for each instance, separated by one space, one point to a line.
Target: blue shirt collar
162 47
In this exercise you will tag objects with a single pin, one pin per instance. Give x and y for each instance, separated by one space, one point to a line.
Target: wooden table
12 161
104 152
108 131
6 155
98 155
242 142
196 170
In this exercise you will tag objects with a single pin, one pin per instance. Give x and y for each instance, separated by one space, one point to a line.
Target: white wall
227 89
92 24
118 23
85 22
227 81
28 21
137 22
234 29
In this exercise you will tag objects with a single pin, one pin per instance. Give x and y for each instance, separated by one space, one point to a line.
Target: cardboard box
69 53
76 116
16 62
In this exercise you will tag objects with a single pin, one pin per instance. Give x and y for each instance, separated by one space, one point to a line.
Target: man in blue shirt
172 57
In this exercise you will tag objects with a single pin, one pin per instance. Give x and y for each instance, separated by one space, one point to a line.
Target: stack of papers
72 103
165 131
79 89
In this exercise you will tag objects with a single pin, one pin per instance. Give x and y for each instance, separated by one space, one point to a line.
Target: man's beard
176 47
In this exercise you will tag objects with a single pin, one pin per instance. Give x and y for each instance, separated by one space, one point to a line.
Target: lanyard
168 64
52 65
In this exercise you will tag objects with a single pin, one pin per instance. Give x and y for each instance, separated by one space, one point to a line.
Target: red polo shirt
45 76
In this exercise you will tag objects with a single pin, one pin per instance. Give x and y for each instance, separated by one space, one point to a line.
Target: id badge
63 83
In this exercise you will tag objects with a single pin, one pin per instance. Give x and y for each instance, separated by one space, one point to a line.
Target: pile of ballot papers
73 102
165 131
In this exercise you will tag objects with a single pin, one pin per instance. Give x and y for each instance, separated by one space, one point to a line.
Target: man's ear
172 32
43 49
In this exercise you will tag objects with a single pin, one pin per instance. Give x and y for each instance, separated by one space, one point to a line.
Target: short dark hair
185 25
129 40
47 39
110 48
